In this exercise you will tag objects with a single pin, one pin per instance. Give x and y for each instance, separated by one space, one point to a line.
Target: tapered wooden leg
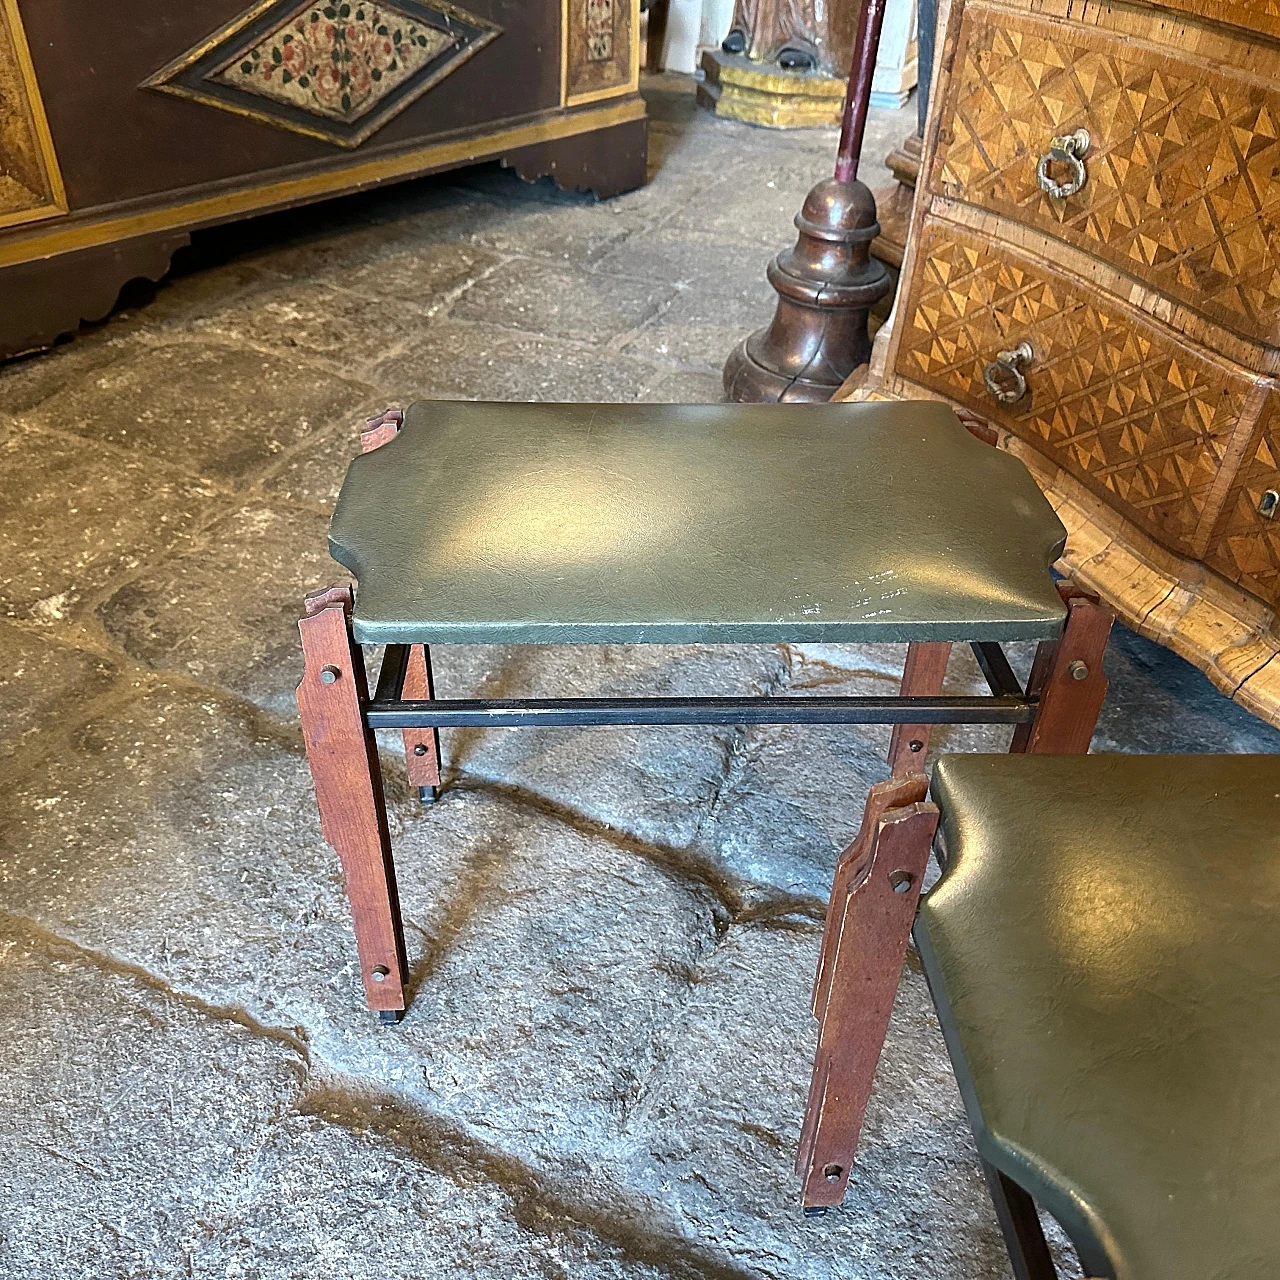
421 746
348 784
922 677
1067 676
873 926
1020 1224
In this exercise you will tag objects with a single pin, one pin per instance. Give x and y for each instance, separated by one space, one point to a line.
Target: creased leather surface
548 523
1105 952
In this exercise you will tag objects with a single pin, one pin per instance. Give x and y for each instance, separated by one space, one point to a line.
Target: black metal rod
995 666
395 664
521 712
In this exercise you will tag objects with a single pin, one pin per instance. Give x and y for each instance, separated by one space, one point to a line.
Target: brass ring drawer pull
1003 375
1069 150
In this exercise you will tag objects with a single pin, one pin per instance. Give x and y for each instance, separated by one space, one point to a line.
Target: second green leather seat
1104 950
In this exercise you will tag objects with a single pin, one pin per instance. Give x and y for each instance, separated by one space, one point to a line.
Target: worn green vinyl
577 523
1104 951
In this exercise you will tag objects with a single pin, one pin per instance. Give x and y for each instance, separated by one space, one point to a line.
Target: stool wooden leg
873 924
421 746
1067 675
1020 1224
348 784
922 677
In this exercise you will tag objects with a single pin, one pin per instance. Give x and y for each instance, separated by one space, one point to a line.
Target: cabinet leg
348 783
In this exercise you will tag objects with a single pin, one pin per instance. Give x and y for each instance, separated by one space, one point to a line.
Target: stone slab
83 516
227 1154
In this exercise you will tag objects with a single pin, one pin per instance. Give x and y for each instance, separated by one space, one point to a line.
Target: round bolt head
380 973
832 1172
915 745
1078 670
901 881
329 675
420 749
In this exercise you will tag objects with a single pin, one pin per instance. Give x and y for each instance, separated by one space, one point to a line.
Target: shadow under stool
745 524
1103 949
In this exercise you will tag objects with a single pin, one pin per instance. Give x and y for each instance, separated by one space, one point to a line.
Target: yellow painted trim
231 204
598 95
39 121
564 52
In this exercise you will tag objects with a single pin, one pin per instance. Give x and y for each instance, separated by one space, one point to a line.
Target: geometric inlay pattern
1122 405
1246 545
1183 186
335 69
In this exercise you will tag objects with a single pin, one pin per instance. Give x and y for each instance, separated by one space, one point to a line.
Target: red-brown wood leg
421 746
1067 675
348 783
874 925
922 677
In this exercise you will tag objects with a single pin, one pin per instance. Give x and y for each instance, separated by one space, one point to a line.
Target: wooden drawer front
1245 546
1138 416
1183 186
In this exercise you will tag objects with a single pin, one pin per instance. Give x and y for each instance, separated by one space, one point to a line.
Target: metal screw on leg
420 749
329 675
901 881
380 973
915 745
1078 670
832 1172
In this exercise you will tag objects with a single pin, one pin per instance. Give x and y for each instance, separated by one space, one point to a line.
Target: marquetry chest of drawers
1093 271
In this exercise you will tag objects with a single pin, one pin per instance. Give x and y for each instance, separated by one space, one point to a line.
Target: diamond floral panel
1118 403
1246 545
337 66
337 69
1183 187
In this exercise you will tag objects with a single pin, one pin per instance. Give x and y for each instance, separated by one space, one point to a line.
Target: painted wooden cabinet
125 126
1093 271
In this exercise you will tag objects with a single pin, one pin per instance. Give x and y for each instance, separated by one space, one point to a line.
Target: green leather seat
1104 951
537 523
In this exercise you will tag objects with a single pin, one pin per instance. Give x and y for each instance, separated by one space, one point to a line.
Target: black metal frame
1008 704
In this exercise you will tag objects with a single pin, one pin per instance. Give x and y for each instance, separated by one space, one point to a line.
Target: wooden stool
624 524
1104 952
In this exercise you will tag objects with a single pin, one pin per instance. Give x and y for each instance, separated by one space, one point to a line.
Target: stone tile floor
612 933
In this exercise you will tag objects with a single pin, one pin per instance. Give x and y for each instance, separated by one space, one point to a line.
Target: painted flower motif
328 85
338 58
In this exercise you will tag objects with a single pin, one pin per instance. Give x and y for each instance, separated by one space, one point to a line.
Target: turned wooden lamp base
826 286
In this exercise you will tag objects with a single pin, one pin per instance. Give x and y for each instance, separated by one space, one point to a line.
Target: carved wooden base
826 286
765 94
44 300
606 162
893 202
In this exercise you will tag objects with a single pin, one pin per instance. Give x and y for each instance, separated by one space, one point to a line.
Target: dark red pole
858 95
